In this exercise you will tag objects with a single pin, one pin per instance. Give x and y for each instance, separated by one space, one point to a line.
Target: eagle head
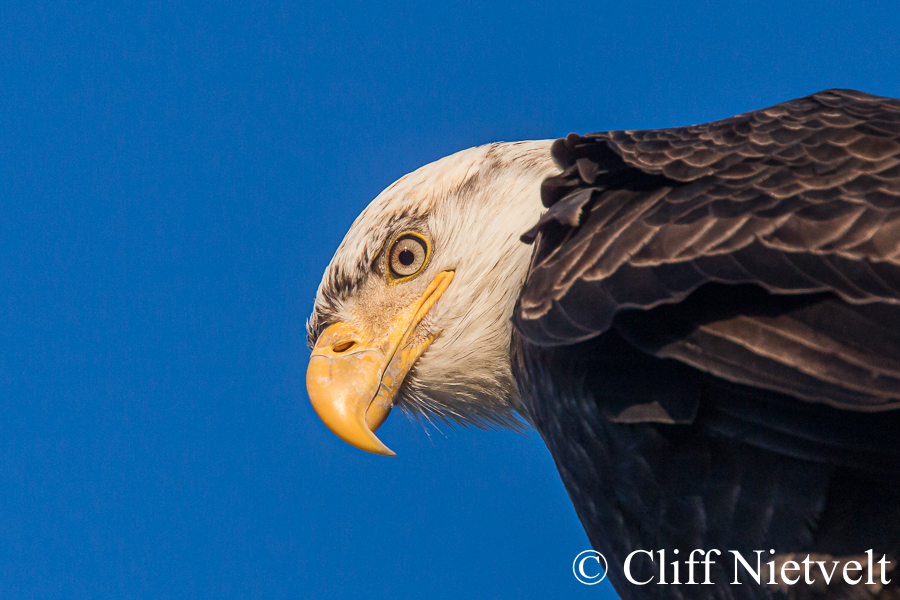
414 308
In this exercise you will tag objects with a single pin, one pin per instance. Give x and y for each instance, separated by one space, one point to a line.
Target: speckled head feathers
473 206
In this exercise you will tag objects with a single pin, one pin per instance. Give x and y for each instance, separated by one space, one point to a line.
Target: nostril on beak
342 346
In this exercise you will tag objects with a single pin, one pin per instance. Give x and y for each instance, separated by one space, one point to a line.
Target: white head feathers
472 206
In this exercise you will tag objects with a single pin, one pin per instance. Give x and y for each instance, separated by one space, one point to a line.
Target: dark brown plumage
709 336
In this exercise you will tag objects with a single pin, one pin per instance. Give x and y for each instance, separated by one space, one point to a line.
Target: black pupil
406 257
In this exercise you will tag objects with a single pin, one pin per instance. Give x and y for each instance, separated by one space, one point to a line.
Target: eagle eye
407 256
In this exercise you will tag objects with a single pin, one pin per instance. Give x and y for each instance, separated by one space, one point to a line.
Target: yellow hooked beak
354 373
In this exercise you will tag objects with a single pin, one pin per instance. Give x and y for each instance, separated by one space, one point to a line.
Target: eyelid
387 256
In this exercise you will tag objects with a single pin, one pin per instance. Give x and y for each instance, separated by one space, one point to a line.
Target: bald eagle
702 323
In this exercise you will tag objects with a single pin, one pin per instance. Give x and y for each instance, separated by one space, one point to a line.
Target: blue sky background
174 178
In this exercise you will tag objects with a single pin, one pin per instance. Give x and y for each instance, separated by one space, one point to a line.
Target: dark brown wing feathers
708 339
800 199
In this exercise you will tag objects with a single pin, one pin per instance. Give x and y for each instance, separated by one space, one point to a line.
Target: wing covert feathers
802 198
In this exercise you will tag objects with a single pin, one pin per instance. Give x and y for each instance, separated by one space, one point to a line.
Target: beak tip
371 444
